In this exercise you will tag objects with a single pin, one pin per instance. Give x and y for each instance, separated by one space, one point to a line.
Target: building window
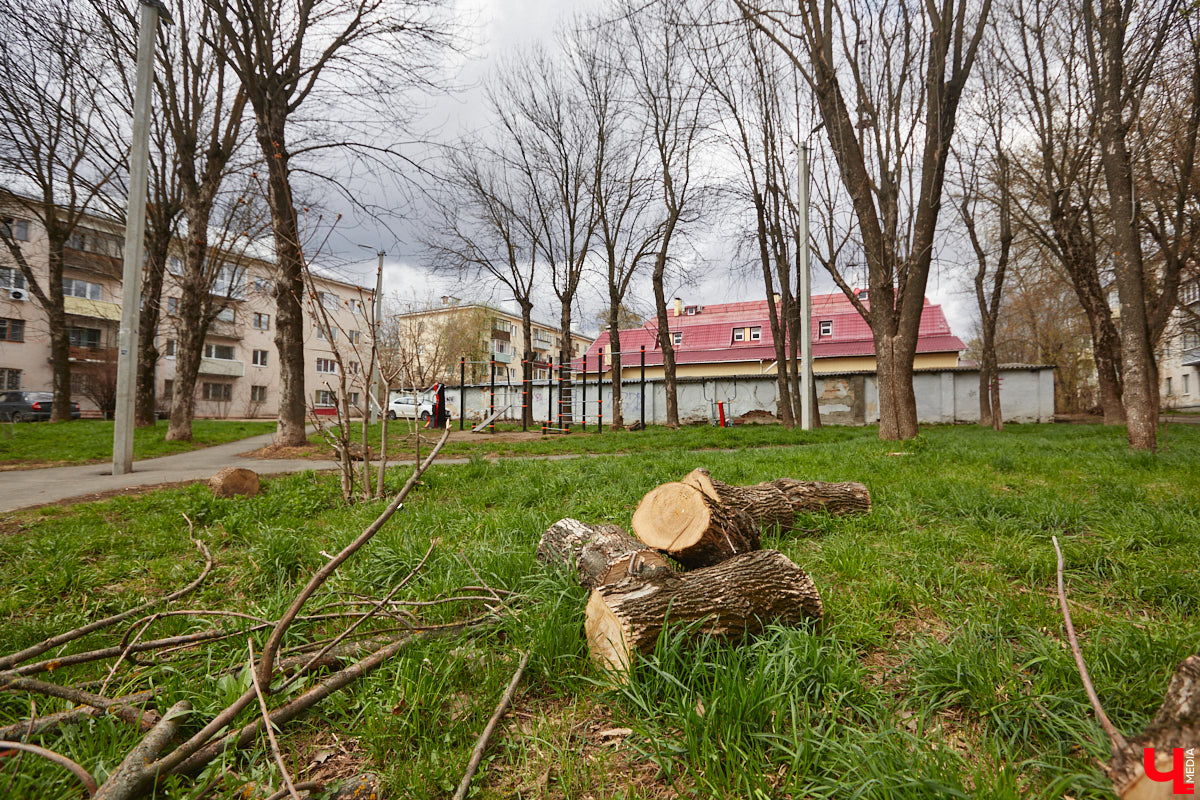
90 241
262 322
499 347
356 306
1190 292
354 398
226 314
12 330
677 338
327 300
259 358
327 365
826 328
175 265
168 390
1186 389
228 283
169 348
756 334
324 397
352 368
324 333
84 337
11 228
73 287
739 334
258 394
172 305
1169 386
354 336
223 352
10 379
222 392
11 278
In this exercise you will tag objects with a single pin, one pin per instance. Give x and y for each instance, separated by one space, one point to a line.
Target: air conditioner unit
18 294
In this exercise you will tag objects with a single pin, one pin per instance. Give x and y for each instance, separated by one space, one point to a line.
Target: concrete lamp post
135 232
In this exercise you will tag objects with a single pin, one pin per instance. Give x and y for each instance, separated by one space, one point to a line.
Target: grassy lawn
941 669
87 441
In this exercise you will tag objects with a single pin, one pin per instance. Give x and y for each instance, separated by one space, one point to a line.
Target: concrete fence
943 396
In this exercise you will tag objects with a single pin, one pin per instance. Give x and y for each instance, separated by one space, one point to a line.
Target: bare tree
673 99
628 223
906 65
290 56
486 229
423 347
1056 181
52 90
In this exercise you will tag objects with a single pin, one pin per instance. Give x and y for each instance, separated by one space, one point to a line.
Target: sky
503 28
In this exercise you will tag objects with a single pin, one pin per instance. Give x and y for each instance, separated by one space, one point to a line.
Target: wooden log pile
696 560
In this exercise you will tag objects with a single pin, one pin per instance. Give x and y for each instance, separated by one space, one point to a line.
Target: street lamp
135 233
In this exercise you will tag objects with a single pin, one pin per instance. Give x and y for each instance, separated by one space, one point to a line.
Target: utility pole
806 371
381 396
135 235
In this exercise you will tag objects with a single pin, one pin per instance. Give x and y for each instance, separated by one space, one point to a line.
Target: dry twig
1115 739
481 745
84 776
266 713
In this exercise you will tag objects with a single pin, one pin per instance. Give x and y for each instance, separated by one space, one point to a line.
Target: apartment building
239 372
1179 358
430 342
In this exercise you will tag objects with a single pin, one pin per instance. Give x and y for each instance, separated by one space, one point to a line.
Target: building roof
708 333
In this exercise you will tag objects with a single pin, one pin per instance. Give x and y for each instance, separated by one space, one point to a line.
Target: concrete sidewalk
35 487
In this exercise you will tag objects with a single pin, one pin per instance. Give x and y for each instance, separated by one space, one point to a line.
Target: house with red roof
719 339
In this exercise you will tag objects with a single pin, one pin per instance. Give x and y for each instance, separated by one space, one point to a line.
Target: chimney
777 298
445 299
678 307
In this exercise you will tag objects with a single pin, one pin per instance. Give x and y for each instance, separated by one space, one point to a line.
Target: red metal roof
708 334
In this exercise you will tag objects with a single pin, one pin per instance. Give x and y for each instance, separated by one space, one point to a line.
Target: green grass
940 669
86 441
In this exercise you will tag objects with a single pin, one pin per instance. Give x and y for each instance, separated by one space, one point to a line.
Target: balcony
501 336
504 358
1191 358
227 330
93 309
92 355
225 368
98 264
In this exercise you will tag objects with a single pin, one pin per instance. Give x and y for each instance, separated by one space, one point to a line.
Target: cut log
597 554
1176 725
730 600
692 527
778 502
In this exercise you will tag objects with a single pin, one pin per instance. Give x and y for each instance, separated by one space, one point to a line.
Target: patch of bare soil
401 448
131 491
13 466
757 417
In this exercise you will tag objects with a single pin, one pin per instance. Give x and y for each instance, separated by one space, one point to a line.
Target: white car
416 406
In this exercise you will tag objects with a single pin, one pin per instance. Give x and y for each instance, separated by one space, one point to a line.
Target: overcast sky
503 28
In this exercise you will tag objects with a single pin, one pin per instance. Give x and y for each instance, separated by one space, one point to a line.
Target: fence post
492 396
642 387
525 367
599 391
462 390
549 391
560 389
583 406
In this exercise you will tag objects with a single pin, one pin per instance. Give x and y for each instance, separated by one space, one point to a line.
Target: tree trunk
597 554
1140 373
731 600
691 527
195 314
778 502
993 370
60 343
527 343
289 285
145 414
664 339
894 374
614 343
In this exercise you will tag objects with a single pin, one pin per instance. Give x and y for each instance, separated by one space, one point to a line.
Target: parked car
417 406
29 406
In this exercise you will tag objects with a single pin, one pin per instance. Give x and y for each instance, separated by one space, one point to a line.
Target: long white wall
943 396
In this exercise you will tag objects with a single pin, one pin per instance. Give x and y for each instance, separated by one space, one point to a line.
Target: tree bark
731 600
614 343
665 342
145 413
778 502
195 315
894 374
597 554
691 527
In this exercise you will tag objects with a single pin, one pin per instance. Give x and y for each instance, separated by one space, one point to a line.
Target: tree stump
233 481
691 527
1176 725
732 599
597 554
778 502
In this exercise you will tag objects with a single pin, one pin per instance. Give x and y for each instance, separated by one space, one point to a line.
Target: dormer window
676 338
756 333
691 311
739 334
826 327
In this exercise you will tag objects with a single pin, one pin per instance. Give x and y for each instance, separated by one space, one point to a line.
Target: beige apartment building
1179 352
430 342
239 373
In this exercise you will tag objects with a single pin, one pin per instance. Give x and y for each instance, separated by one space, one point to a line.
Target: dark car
29 406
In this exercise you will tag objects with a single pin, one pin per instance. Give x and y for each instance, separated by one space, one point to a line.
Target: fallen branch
266 712
1116 740
9 661
135 773
21 731
84 776
482 743
303 786
118 708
